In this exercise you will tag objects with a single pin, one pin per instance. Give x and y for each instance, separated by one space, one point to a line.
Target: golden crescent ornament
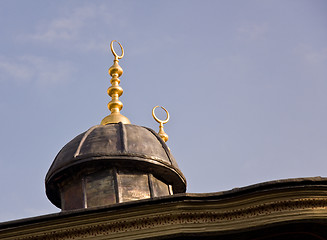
157 119
161 132
113 50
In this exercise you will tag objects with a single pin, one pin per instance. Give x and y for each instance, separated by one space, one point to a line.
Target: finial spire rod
161 132
115 91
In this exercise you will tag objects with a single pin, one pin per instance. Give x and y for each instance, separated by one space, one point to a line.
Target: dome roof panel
101 140
116 143
141 141
65 153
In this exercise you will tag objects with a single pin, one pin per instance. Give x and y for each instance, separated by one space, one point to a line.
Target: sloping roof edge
260 206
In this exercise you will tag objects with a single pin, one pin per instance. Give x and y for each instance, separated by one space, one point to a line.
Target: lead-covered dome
112 163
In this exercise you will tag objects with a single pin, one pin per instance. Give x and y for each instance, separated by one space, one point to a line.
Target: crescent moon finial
161 132
115 91
113 50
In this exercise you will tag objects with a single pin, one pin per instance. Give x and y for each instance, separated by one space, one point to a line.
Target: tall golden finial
161 132
115 91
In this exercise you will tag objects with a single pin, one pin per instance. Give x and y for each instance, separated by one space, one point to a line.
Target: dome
103 156
114 162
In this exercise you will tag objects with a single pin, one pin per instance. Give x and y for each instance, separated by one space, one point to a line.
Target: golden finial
115 91
161 132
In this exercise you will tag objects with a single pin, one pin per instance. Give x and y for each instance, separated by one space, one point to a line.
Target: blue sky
245 83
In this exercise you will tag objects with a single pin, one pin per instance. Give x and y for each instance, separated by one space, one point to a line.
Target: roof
285 209
126 145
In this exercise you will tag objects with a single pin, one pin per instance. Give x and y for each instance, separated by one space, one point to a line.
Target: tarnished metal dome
112 163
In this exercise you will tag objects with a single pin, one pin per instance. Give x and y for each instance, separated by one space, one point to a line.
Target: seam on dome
87 133
123 137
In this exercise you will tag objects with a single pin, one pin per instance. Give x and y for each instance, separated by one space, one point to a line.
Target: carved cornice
180 215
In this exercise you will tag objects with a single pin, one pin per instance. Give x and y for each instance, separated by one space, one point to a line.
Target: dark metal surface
132 186
114 141
99 189
115 146
105 186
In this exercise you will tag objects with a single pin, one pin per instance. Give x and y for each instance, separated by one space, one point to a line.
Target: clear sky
245 83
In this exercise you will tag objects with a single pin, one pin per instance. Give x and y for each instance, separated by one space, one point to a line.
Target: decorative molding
172 218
